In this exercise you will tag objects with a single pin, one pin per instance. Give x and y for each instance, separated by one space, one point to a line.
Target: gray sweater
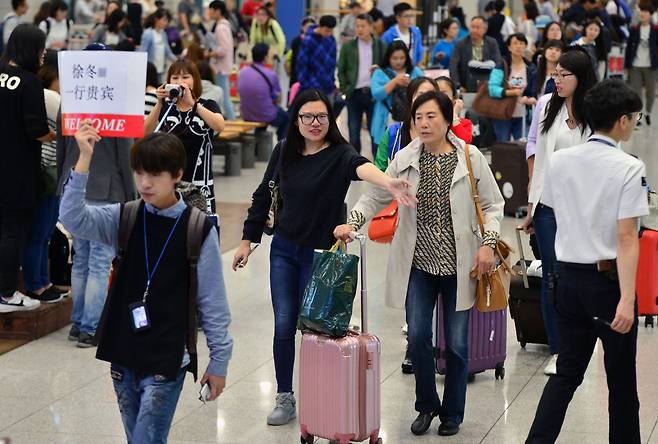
110 176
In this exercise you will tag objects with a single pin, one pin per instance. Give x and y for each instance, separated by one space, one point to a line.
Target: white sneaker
551 367
18 302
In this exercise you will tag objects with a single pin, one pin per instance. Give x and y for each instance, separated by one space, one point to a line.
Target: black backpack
195 238
400 101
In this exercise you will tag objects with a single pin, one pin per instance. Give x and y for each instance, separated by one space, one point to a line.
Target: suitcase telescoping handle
364 285
524 268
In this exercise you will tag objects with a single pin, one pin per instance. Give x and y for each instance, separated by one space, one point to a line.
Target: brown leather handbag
487 106
492 289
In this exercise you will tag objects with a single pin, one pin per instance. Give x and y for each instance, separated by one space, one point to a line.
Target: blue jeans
422 293
35 252
359 103
222 82
89 275
506 129
147 403
290 271
545 229
280 122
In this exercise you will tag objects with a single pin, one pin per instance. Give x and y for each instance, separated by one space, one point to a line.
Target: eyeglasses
560 76
408 16
308 119
638 116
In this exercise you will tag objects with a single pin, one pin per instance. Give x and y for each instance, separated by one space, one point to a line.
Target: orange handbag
382 227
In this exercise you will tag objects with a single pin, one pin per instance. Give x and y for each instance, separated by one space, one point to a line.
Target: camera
174 91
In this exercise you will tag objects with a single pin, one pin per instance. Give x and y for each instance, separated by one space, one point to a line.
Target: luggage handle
364 286
524 267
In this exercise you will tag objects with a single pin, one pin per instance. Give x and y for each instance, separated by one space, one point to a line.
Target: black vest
158 350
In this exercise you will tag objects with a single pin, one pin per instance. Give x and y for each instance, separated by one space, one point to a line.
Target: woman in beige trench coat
435 247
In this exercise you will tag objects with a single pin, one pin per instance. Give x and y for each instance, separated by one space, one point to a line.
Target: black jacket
634 41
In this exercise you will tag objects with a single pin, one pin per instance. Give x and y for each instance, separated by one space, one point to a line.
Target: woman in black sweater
314 166
23 125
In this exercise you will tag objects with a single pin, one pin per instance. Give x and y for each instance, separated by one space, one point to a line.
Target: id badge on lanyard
139 314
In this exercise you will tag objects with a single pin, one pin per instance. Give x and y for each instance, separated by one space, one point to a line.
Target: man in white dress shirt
598 192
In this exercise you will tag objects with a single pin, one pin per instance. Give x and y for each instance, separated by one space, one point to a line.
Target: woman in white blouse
557 123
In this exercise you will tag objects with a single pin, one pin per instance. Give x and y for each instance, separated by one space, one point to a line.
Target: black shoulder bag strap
388 74
269 83
127 219
195 238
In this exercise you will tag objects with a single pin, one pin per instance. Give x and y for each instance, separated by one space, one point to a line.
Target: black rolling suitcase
525 303
510 168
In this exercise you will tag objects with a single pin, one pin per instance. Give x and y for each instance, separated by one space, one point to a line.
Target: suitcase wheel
379 441
648 321
500 371
523 344
308 440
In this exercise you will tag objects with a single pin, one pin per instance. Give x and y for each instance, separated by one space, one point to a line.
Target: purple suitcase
487 342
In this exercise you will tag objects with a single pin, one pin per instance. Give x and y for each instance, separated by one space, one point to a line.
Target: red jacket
464 130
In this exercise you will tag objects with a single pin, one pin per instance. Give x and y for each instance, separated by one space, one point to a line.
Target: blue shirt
416 49
101 224
446 48
316 62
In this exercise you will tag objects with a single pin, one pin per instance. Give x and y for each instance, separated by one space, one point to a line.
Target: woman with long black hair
314 166
394 76
592 42
546 66
112 31
24 126
558 123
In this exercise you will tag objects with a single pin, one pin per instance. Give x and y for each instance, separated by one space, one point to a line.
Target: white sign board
106 87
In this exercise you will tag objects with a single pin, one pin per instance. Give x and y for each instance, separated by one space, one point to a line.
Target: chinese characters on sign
91 92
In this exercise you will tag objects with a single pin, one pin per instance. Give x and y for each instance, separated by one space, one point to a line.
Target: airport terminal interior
56 393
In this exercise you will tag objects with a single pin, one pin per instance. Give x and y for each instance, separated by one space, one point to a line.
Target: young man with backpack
12 20
405 30
167 272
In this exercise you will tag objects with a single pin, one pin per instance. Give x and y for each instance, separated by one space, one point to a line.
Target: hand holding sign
86 136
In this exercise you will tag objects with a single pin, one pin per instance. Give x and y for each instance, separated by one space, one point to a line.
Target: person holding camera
193 120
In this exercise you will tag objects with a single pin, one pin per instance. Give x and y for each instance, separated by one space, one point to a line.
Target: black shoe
648 119
86 340
407 365
64 293
49 296
448 428
423 422
74 333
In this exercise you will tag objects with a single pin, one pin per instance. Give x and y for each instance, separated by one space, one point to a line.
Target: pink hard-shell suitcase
339 381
